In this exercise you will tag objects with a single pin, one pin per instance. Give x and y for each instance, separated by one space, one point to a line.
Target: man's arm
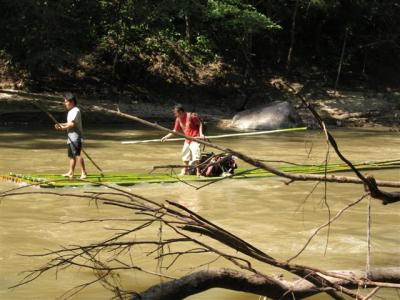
177 127
201 130
64 126
163 139
198 122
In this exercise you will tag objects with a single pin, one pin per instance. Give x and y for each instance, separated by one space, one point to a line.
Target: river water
265 212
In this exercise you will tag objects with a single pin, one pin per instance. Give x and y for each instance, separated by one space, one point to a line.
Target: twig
368 262
372 293
326 224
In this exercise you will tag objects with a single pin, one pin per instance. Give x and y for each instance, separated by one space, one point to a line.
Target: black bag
204 159
219 165
213 165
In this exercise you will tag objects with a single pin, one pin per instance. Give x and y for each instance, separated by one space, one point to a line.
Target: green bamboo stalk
221 136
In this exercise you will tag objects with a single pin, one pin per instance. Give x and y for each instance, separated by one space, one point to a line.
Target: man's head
178 110
69 100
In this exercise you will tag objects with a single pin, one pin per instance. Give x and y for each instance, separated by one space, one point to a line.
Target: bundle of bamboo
52 181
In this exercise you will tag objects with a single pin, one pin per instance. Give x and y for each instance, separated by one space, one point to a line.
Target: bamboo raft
128 179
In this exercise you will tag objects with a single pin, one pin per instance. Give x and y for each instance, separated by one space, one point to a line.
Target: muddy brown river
265 212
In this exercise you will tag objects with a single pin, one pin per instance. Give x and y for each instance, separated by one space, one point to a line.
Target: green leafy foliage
47 38
234 15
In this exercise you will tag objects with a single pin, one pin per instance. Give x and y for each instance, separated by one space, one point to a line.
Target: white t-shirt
75 133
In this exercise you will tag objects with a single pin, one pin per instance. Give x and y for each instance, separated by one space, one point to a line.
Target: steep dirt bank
344 109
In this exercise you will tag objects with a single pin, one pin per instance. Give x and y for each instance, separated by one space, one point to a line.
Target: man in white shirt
73 126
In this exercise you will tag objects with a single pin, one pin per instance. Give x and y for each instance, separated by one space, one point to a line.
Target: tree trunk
341 60
274 288
188 34
248 68
292 35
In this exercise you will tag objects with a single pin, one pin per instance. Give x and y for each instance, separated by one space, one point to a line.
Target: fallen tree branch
259 164
184 223
273 287
256 163
369 181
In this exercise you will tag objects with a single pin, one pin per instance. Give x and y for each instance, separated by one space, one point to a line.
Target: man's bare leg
197 163
82 165
72 164
185 169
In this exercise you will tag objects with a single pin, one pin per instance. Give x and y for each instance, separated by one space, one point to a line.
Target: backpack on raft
213 165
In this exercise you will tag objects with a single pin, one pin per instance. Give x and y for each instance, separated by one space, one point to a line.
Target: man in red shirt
189 123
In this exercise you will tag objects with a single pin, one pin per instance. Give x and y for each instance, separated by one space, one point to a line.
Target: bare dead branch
369 181
372 293
330 221
254 162
274 288
181 219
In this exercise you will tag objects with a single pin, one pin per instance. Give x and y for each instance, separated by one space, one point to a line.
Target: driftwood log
274 287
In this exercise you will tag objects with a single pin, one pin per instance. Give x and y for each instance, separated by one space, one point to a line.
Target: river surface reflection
265 212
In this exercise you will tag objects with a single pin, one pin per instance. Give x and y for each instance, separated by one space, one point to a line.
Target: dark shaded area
171 48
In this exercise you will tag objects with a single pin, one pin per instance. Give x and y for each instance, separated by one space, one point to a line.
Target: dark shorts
74 149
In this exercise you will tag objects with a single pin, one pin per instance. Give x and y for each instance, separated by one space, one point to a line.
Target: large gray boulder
279 114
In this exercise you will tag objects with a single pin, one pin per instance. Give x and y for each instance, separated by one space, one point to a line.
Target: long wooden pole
56 122
250 160
221 135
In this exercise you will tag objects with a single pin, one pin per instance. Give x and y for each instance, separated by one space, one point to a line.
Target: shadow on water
43 137
37 136
43 144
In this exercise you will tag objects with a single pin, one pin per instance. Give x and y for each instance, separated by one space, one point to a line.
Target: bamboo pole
221 136
245 158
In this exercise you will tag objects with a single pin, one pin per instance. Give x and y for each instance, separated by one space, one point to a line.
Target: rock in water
279 114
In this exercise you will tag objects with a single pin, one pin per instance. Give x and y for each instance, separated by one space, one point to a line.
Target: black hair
70 97
179 107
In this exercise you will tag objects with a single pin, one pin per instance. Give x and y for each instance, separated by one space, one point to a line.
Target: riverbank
338 109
